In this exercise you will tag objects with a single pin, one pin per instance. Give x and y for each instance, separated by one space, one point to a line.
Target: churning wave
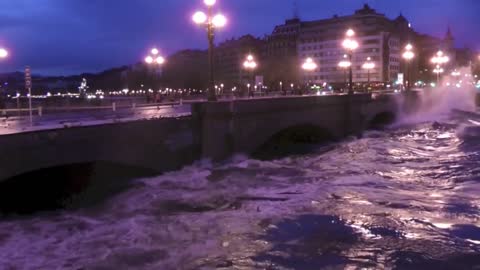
406 197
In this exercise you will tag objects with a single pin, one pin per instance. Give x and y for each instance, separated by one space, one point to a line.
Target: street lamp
368 65
250 65
309 65
4 54
408 55
154 58
345 64
438 70
211 23
350 44
456 73
438 60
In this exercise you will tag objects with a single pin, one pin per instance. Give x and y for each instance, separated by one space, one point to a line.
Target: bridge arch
66 186
298 138
381 120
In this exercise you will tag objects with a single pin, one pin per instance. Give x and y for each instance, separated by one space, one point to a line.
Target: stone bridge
214 130
243 126
162 144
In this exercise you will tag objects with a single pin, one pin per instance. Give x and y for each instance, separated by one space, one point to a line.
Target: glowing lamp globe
219 20
309 64
3 53
209 2
350 33
160 60
199 17
149 60
408 55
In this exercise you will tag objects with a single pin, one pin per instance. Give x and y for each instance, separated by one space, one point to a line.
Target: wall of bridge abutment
157 145
241 126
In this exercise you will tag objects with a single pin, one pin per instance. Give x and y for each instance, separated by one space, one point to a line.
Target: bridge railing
114 109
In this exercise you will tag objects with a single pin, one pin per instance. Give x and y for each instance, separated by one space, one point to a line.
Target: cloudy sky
72 36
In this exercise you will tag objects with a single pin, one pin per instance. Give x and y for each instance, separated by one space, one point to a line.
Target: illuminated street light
368 65
309 65
438 60
210 22
250 65
350 44
438 70
456 73
408 55
345 64
154 58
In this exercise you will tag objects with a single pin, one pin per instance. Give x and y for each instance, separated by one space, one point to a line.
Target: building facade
229 58
427 46
281 57
380 39
186 69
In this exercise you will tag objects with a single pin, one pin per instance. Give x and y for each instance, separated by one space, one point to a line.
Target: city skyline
90 37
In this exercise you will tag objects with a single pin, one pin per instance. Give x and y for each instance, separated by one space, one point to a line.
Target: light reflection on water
405 198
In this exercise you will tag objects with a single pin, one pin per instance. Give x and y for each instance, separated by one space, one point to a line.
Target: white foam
437 103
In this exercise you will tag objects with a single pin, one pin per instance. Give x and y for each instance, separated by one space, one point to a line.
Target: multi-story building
229 58
280 51
426 47
379 38
186 69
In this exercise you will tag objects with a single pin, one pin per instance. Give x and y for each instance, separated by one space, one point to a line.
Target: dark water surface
404 198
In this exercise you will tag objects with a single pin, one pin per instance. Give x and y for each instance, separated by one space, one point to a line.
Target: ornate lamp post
438 60
4 54
309 65
438 70
211 23
250 65
345 64
408 55
350 44
155 59
368 65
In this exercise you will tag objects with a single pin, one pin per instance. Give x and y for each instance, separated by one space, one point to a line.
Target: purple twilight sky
60 37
